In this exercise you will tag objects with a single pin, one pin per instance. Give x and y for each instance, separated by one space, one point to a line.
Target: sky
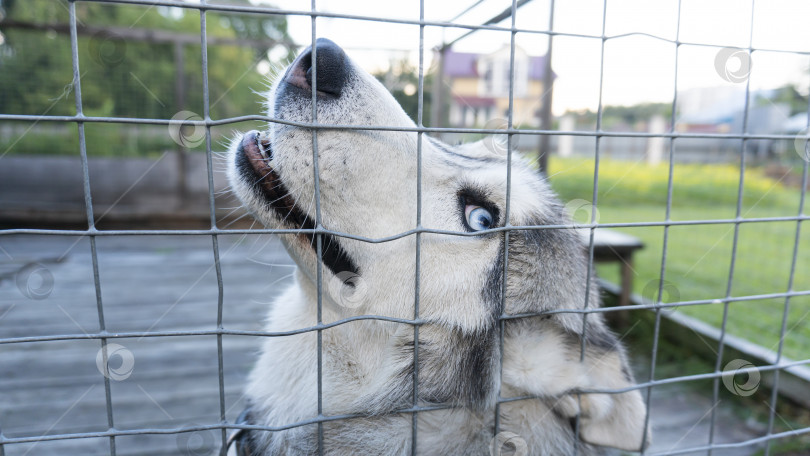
637 68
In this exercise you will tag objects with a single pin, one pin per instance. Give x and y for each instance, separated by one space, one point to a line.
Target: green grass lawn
699 256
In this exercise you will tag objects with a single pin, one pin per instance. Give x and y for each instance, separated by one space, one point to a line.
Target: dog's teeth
262 151
263 140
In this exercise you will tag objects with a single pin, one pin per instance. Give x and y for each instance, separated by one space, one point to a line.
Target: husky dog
368 189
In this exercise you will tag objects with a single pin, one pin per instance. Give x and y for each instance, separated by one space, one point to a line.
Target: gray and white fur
368 188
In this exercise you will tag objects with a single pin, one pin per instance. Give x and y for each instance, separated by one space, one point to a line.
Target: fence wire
658 306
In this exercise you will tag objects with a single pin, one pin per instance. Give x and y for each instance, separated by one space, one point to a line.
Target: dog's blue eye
478 218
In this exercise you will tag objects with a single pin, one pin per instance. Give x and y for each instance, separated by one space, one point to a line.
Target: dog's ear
546 361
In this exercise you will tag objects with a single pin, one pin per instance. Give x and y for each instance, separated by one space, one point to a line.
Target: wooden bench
611 245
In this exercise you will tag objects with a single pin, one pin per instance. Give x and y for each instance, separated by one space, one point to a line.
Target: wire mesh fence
655 302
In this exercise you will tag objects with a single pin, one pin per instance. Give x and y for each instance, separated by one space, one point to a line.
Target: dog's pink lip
252 144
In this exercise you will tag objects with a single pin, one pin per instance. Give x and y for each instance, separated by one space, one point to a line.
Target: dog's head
369 186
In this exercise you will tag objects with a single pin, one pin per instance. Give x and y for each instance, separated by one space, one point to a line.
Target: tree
626 115
125 77
789 95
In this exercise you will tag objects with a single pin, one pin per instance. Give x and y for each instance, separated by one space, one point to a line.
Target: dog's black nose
330 68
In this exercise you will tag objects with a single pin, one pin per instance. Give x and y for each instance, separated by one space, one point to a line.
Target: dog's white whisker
235 220
224 191
232 211
280 265
270 285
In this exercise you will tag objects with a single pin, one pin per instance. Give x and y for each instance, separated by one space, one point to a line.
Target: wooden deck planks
155 283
